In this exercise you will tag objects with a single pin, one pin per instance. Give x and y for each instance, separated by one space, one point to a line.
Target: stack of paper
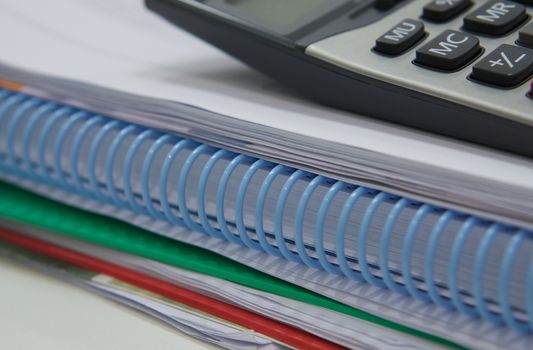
342 231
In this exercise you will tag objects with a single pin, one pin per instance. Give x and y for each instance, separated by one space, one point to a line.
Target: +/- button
443 10
448 51
495 18
525 36
400 38
506 66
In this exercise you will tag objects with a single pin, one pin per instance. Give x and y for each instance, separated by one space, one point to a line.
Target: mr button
449 51
495 18
506 66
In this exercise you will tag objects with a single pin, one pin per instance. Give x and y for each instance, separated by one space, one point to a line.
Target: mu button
400 38
449 51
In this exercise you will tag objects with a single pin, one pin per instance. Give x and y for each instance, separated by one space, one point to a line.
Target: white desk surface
40 312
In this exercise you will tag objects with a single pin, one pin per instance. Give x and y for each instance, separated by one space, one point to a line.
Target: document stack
146 166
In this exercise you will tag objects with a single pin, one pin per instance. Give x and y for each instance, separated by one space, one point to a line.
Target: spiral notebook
108 120
468 266
137 68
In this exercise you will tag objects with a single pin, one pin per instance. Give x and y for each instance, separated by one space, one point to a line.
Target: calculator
458 68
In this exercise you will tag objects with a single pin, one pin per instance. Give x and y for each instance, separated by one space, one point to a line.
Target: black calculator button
385 4
495 18
400 38
525 36
506 66
449 51
443 10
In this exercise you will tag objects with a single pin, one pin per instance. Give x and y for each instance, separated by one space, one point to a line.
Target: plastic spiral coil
37 118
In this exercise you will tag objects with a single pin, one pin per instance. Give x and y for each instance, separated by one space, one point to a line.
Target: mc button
449 51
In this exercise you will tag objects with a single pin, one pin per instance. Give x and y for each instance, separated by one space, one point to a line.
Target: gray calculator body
461 69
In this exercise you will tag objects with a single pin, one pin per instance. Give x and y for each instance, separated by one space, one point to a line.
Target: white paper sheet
40 312
192 322
339 328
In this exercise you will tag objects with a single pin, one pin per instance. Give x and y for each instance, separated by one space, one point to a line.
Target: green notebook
38 211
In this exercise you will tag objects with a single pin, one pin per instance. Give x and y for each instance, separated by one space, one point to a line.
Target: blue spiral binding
59 143
221 195
298 229
431 249
19 113
364 230
103 139
9 101
505 273
50 122
481 257
128 168
239 207
28 133
110 163
145 174
319 227
79 138
26 136
201 188
93 154
182 186
179 147
280 210
260 206
341 234
384 247
457 247
410 236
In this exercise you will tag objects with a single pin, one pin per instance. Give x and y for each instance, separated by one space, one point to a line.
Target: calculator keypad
495 18
452 50
506 66
443 10
442 63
